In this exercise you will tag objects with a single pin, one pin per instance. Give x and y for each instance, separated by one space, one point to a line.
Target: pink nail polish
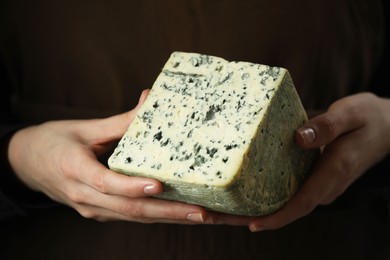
257 228
150 189
195 217
308 135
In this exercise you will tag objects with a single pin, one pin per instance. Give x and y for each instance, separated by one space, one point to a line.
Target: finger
112 183
84 168
105 215
320 188
126 118
345 162
227 219
147 210
325 128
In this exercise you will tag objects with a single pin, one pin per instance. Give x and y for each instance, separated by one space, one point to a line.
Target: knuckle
330 124
346 165
87 213
76 197
171 214
100 183
65 167
134 210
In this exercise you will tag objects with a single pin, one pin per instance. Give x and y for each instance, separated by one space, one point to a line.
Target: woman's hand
59 158
353 136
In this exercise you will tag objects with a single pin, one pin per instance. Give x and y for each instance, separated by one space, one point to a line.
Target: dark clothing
87 59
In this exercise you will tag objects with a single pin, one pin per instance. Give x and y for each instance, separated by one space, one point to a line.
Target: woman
63 61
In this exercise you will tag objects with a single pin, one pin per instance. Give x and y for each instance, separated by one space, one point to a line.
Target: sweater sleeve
16 199
378 177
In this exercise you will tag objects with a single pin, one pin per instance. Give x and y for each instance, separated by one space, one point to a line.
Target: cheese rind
218 134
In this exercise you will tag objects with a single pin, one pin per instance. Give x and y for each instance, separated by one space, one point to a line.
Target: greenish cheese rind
219 134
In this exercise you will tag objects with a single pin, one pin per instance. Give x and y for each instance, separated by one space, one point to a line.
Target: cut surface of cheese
218 134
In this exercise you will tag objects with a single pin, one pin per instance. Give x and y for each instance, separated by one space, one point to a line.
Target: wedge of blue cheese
218 134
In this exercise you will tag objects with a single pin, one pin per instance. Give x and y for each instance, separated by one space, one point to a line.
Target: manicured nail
308 135
150 189
257 228
195 217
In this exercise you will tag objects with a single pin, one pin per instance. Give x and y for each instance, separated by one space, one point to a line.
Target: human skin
59 158
352 136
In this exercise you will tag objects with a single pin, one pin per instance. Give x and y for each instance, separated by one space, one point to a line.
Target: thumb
122 121
342 117
112 128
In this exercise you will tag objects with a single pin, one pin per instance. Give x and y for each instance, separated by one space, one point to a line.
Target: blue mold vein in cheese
218 134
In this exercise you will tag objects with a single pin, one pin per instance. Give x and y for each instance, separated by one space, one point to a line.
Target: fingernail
195 217
257 228
308 135
151 189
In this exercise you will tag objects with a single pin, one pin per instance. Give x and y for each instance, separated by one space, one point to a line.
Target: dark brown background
85 59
